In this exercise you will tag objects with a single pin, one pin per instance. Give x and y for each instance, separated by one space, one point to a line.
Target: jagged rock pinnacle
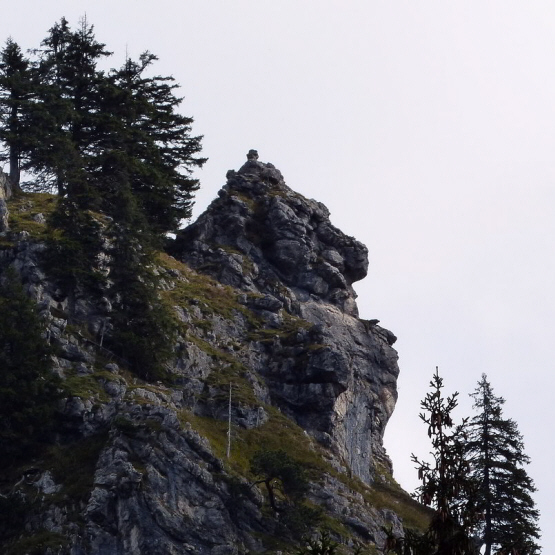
282 251
288 237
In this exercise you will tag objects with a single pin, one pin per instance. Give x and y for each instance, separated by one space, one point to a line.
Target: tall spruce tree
146 127
76 115
15 93
114 143
496 449
446 485
142 331
71 84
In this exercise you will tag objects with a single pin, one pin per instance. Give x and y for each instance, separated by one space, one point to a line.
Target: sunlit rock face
337 377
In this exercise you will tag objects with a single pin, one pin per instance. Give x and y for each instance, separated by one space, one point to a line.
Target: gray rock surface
266 302
337 378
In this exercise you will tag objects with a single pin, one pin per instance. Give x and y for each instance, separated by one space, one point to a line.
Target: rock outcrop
280 248
261 284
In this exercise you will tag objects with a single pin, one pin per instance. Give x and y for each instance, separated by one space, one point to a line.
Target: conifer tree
279 472
148 129
70 91
505 490
112 143
15 92
143 332
445 483
75 115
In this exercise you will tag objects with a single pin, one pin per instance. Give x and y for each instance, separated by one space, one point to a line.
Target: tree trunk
15 174
271 495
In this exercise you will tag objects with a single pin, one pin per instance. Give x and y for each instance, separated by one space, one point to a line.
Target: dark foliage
13 510
28 389
446 485
322 544
144 125
73 255
279 472
143 333
496 450
412 543
15 94
115 148
62 120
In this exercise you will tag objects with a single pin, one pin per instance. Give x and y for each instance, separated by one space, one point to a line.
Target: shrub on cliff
279 472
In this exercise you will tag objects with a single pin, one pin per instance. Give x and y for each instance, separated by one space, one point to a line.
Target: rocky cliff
262 238
270 338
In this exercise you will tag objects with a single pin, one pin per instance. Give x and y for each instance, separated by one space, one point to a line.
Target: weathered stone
46 484
287 336
345 388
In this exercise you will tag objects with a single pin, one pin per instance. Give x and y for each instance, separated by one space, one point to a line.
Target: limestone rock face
337 378
261 285
263 237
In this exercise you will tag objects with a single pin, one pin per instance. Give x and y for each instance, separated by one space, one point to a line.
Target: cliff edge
270 357
281 249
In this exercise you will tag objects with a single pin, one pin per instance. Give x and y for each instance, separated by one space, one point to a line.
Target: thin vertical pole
229 425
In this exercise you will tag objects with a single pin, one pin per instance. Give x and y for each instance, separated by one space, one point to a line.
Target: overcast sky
427 128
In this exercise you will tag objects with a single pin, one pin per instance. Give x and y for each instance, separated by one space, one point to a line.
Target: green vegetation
200 290
88 386
90 134
120 156
279 472
280 433
38 543
28 389
477 486
446 484
389 495
504 489
287 332
24 209
73 466
321 545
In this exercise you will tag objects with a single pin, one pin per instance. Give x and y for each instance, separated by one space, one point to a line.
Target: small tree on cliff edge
279 472
496 450
445 483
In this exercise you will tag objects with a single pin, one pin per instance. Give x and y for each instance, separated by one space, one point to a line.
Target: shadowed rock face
339 379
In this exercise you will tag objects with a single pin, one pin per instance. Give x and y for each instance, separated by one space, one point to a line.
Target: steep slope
260 287
282 251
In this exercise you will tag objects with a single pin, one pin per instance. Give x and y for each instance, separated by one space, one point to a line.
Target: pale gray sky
427 128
